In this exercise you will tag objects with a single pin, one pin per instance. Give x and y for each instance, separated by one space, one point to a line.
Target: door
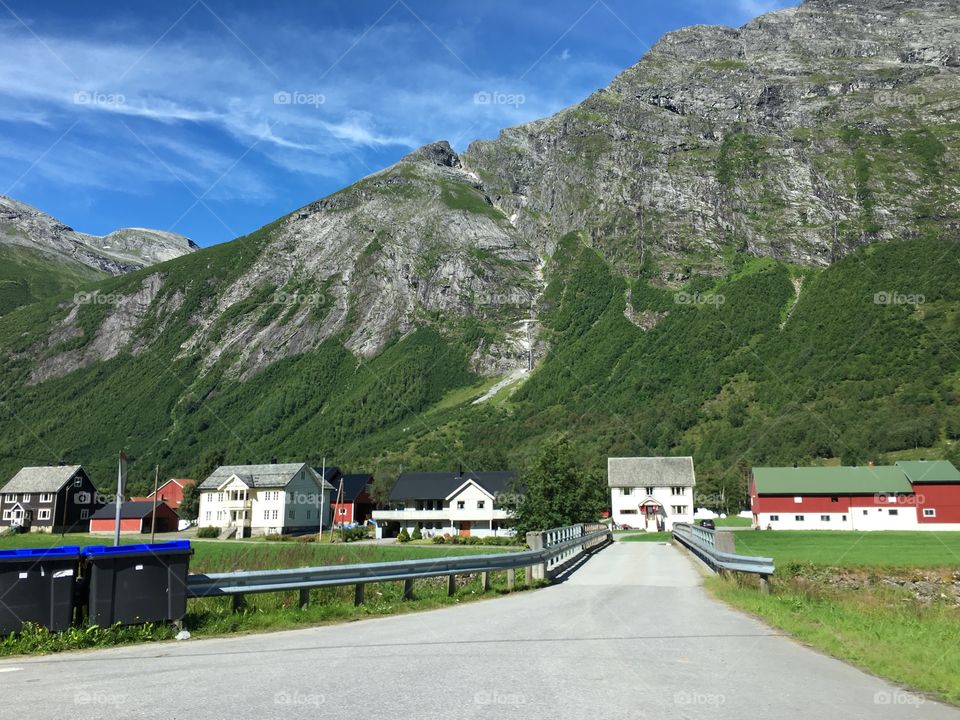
465 529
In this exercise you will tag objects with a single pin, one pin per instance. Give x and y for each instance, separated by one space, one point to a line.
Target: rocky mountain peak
437 153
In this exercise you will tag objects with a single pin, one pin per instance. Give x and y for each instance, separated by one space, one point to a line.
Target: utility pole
118 501
153 515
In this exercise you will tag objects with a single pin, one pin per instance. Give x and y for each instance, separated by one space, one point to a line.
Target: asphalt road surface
630 634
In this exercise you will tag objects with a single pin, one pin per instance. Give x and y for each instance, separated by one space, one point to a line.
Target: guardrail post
528 575
723 541
358 594
304 598
511 578
239 602
408 589
536 541
765 584
485 581
451 584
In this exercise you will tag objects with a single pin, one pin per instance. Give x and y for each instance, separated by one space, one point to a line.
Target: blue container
133 584
37 586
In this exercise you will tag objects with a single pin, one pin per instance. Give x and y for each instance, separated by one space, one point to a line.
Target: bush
417 533
274 537
356 533
306 539
208 532
404 536
439 539
472 540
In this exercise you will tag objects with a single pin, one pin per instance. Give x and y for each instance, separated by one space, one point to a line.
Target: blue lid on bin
145 549
66 552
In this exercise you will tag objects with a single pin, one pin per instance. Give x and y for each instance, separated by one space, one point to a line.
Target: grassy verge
733 521
270 611
851 549
646 537
878 627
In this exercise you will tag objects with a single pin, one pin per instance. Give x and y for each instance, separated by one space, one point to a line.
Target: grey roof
353 485
260 476
41 479
650 472
438 485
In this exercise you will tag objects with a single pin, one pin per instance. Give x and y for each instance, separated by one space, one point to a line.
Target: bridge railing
551 549
710 547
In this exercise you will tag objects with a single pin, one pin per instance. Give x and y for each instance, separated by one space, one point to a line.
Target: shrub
274 537
404 536
438 539
306 539
208 532
472 540
356 533
417 533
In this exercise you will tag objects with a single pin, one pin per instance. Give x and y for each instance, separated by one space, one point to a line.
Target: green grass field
733 521
851 549
645 537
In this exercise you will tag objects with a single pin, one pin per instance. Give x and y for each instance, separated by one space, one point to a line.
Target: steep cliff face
801 135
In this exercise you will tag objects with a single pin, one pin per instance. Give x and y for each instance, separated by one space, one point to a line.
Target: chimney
459 471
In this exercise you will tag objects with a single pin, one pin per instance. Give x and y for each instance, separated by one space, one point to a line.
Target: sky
211 118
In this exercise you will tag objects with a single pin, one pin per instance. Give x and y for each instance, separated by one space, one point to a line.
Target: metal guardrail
703 543
559 546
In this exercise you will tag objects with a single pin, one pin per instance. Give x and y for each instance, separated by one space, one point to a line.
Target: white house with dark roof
651 493
265 499
447 503
49 499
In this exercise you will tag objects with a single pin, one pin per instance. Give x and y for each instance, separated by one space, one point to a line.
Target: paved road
629 635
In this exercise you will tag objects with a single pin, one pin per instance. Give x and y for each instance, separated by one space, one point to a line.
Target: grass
880 629
270 611
851 549
646 537
733 521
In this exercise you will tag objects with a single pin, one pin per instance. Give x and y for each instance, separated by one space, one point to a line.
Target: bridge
630 634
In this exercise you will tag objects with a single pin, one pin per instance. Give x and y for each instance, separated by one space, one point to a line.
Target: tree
190 507
556 491
417 533
210 460
404 536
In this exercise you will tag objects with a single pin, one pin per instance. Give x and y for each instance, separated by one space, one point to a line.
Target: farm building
49 499
651 493
135 517
908 495
354 504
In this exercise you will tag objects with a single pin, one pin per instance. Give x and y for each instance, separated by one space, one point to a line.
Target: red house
908 495
171 492
135 517
355 505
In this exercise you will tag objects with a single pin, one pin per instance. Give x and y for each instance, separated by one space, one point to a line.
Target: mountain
43 257
743 249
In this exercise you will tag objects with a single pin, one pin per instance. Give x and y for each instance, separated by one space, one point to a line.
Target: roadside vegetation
849 549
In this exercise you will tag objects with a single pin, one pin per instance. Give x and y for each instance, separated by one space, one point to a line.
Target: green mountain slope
28 275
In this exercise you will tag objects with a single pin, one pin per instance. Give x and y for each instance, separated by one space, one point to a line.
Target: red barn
909 495
171 492
135 517
356 505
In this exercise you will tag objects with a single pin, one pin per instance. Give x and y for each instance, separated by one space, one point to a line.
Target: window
342 511
798 499
774 518
844 518
26 497
293 514
43 514
864 512
824 518
46 497
209 514
7 514
84 514
77 481
220 497
648 490
798 518
628 512
679 509
481 504
893 511
677 490
308 514
929 512
461 504
833 499
626 491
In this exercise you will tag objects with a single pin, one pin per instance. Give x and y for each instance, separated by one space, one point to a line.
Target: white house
447 503
651 493
265 499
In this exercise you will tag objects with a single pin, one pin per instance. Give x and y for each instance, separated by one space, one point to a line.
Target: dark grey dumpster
36 586
134 584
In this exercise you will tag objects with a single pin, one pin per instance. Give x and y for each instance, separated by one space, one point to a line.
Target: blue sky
211 117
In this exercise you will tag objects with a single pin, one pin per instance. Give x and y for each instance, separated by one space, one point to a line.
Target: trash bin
36 586
133 584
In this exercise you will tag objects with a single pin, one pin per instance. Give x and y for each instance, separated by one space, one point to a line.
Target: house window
220 497
461 504
293 514
798 499
798 518
626 491
929 512
77 482
649 490
43 514
824 518
7 514
481 504
834 499
679 509
209 514
677 490
864 512
26 497
629 511
84 514
342 511
46 497
308 514
774 518
844 518
893 511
